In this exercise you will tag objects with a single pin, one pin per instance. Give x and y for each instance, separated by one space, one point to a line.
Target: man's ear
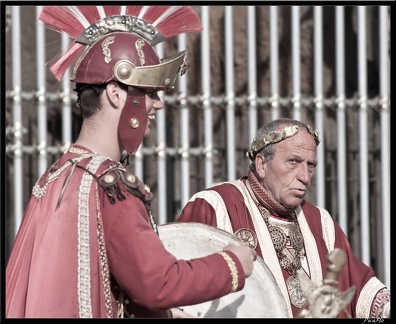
259 163
114 93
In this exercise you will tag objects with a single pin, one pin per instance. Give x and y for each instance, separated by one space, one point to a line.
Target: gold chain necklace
279 240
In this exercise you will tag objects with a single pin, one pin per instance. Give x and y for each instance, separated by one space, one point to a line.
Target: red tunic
72 260
229 206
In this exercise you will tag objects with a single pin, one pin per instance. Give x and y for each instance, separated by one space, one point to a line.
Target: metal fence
328 66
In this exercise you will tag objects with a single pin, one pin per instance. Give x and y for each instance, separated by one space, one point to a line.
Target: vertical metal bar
384 31
363 138
206 103
138 159
295 30
66 101
184 134
230 95
138 162
17 118
41 95
318 78
252 73
341 124
161 160
139 155
274 62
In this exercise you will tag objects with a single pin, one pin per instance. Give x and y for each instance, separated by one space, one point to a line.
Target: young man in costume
88 245
268 210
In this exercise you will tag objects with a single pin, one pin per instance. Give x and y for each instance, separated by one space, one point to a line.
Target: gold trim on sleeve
233 269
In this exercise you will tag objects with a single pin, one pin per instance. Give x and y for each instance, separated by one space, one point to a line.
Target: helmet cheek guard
133 120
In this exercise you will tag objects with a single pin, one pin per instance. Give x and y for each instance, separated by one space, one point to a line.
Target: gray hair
273 132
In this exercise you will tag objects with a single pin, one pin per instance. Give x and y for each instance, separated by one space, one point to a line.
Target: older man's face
288 175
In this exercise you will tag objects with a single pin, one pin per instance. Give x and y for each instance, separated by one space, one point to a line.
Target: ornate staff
326 301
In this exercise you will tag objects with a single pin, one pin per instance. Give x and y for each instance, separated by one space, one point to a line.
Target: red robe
229 206
73 259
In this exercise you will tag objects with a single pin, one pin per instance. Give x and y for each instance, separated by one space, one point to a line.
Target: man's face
288 175
153 103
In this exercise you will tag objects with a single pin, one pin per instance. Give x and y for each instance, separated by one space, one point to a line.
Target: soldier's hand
245 254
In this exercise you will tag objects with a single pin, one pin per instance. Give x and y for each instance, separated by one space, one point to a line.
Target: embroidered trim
380 304
214 199
39 191
367 296
314 267
328 229
83 262
103 258
76 150
233 269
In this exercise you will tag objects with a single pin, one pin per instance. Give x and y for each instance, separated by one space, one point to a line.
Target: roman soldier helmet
117 43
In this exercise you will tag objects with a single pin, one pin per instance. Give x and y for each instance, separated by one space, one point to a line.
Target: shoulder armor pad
134 185
111 180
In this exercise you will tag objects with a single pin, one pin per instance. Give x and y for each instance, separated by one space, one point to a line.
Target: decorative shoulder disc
112 180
